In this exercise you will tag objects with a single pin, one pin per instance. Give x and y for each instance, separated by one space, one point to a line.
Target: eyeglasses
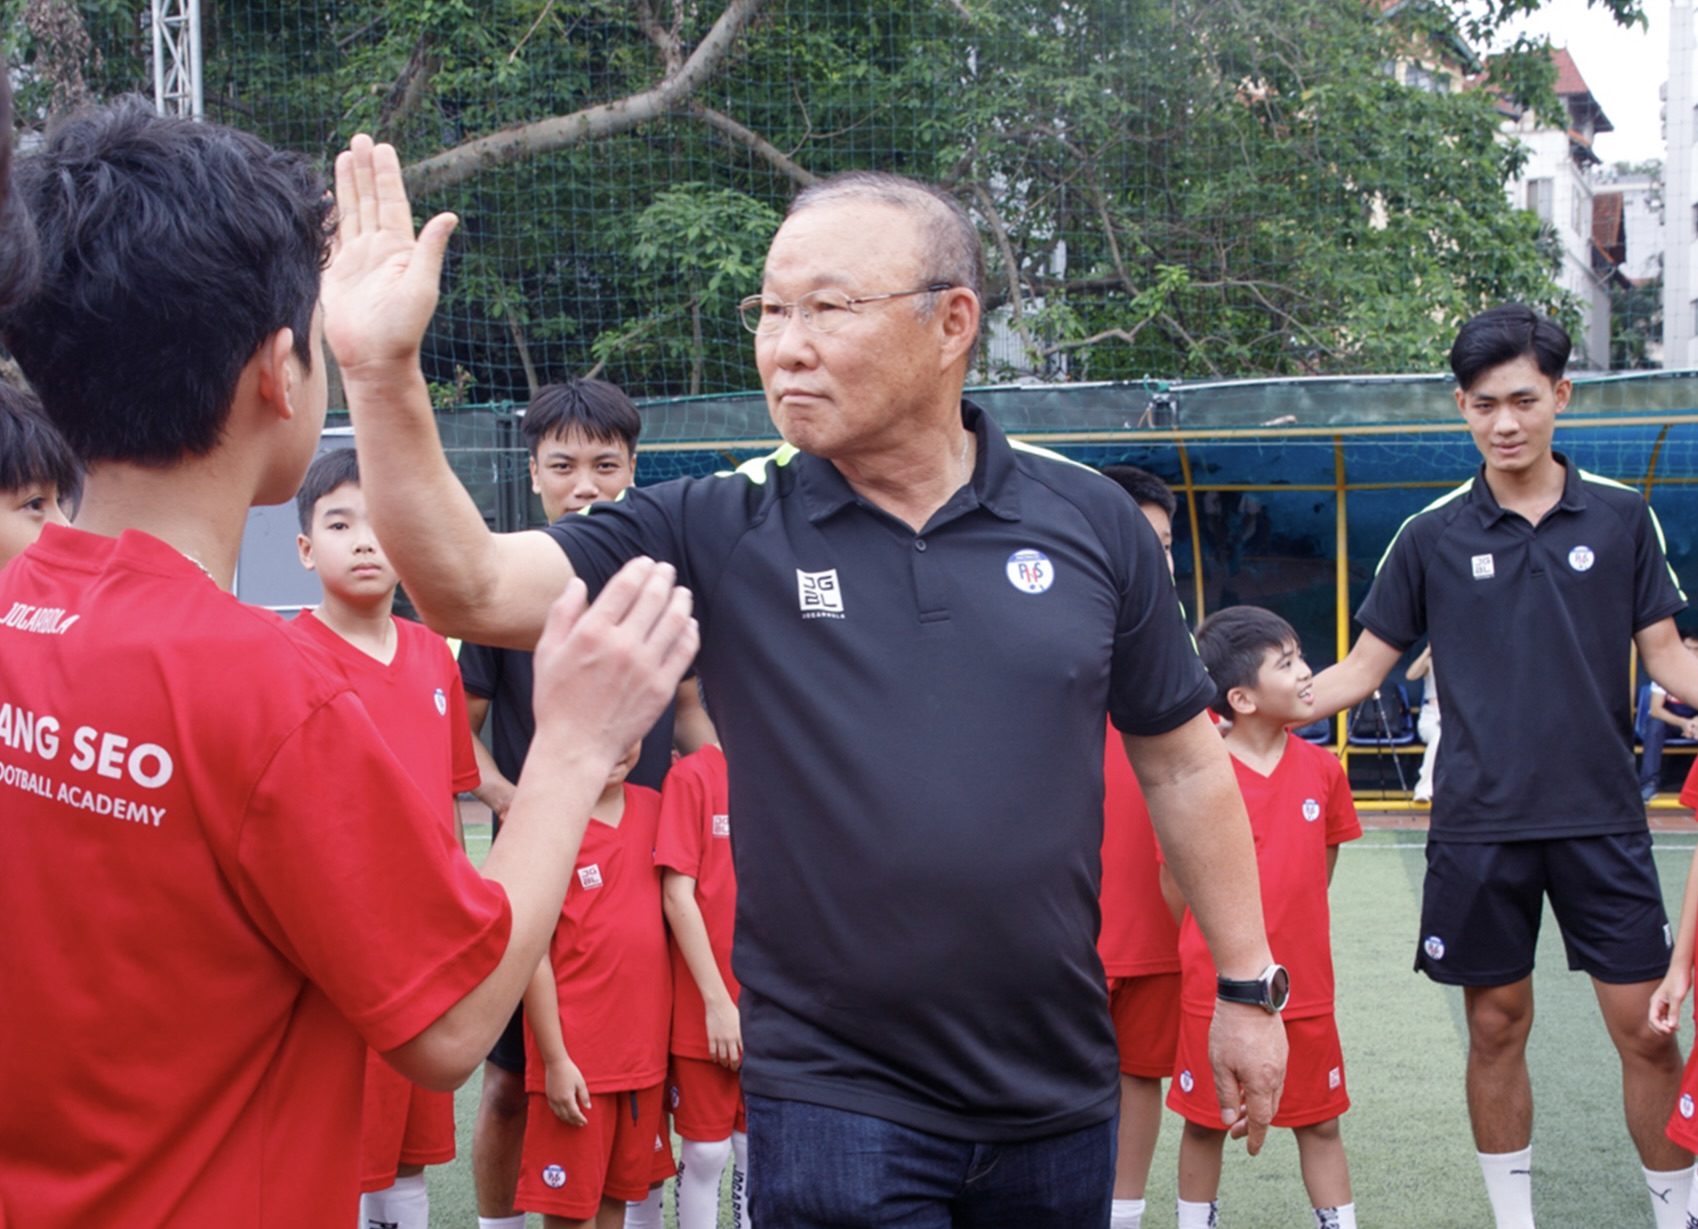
823 311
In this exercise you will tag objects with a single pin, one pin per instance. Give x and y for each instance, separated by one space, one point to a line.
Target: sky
1624 68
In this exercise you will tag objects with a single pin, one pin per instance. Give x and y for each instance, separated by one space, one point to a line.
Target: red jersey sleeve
360 908
1342 821
684 800
467 776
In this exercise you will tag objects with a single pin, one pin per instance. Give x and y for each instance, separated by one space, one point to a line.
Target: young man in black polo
1533 581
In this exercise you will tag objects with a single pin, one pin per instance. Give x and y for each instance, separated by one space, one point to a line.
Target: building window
1539 193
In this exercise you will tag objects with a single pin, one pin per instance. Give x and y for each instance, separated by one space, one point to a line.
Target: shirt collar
825 491
1573 491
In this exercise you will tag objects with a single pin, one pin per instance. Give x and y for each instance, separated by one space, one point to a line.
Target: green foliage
1167 187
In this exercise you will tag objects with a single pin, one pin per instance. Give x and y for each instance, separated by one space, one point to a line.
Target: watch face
1279 987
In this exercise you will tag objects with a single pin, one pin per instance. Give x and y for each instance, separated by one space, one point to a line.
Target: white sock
740 1178
700 1164
515 1221
1126 1214
1341 1217
645 1215
1199 1215
405 1205
1509 1186
1671 1190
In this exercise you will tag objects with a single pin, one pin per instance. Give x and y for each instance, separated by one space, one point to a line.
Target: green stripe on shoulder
1440 502
1034 450
1656 523
757 469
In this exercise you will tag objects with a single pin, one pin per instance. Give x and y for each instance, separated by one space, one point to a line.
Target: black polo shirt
914 728
1531 627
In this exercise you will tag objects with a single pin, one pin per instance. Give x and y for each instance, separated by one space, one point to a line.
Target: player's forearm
533 862
542 1012
689 931
1199 819
430 529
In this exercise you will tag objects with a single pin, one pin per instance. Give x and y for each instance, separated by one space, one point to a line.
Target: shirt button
919 544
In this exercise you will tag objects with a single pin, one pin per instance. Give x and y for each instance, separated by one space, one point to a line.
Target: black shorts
1481 906
509 1051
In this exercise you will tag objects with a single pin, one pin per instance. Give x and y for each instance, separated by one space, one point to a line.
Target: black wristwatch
1268 991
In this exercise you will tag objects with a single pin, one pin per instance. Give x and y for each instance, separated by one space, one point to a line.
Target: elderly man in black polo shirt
1533 581
912 628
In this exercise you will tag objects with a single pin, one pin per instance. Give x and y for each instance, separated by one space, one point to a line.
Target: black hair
1234 642
31 451
600 410
329 470
1503 334
169 250
1144 487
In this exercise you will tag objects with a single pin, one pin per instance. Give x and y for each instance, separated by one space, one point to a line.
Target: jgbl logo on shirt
722 825
819 593
1484 569
589 876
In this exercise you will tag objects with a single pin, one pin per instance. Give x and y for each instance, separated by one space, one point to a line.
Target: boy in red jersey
38 474
596 1015
1300 810
208 943
1139 940
699 890
405 676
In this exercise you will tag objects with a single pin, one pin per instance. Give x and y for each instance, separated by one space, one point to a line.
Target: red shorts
400 1124
1683 1123
706 1099
1146 1022
623 1150
1314 1074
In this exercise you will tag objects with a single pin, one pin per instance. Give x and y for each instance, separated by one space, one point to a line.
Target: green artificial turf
1411 1156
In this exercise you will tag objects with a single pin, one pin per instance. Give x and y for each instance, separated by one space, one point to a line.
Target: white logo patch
441 702
589 876
819 594
1668 936
1186 1082
1483 567
1335 1077
1581 558
722 825
553 1176
1686 1105
1030 571
1434 947
1311 810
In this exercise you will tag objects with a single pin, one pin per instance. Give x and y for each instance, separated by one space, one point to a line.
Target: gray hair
949 238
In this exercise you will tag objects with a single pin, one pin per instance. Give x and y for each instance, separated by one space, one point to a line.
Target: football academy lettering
103 753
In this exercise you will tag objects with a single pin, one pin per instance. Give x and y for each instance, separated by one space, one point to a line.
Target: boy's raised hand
381 287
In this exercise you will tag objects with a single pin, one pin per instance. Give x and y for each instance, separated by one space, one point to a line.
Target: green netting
1202 189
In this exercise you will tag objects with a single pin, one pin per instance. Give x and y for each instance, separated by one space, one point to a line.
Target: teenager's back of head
169 249
1144 487
1503 334
600 410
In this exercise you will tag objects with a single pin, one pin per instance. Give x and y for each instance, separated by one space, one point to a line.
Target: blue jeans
812 1168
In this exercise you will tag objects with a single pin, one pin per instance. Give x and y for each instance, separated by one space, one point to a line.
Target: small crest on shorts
1686 1105
1581 558
553 1176
673 1096
1311 810
1185 1081
1434 947
441 702
1030 571
722 825
1668 936
1335 1077
590 876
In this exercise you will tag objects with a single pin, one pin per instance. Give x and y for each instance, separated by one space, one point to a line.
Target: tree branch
755 143
559 132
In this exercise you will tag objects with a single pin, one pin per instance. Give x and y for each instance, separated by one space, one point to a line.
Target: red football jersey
1297 813
1139 936
199 943
609 957
695 840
